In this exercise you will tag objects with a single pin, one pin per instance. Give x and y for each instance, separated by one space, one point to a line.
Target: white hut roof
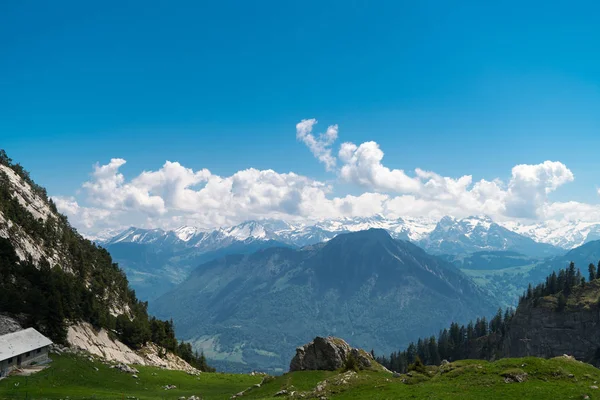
13 344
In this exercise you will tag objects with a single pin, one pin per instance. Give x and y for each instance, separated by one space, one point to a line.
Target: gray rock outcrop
8 325
542 331
328 353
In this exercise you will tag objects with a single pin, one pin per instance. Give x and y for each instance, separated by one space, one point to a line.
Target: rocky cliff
542 329
99 342
82 336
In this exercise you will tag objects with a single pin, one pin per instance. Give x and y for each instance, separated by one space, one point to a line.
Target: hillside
543 327
52 278
517 378
153 268
253 310
84 377
558 316
79 377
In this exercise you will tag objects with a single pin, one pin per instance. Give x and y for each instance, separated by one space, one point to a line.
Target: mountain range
155 260
253 309
426 231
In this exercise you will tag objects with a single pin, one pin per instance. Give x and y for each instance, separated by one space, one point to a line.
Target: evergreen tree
592 272
552 284
529 292
411 353
434 352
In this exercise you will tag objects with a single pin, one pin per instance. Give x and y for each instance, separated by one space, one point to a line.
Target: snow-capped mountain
407 228
448 236
480 233
297 235
567 235
167 256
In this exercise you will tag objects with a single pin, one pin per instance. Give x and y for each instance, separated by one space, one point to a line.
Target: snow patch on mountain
186 233
247 230
293 234
565 234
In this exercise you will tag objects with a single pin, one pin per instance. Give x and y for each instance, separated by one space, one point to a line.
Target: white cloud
175 195
362 165
108 189
84 217
321 145
530 185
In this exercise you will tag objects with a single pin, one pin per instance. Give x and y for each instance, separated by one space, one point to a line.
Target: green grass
75 377
470 379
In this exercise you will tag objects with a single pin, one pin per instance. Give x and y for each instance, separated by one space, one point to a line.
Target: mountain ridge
352 285
565 235
175 253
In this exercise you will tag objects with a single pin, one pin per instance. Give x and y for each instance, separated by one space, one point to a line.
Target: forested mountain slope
558 316
255 309
50 276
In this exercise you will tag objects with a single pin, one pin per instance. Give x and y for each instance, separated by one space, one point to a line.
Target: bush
417 366
351 364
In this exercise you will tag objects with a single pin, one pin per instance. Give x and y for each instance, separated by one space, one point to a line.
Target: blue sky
460 89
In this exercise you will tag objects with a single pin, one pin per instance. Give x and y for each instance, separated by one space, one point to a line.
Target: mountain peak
369 236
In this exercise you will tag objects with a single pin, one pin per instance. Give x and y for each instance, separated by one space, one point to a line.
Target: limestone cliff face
544 331
98 342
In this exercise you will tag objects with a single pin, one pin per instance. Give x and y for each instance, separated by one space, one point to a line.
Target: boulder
125 368
328 353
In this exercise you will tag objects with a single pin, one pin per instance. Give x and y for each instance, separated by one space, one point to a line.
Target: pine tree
470 331
444 344
529 292
571 273
592 272
433 352
411 353
552 284
561 280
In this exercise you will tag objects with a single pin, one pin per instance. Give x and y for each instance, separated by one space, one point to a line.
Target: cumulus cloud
108 189
84 217
530 185
174 195
320 146
362 165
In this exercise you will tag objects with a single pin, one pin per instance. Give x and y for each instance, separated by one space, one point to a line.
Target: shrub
417 366
351 364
